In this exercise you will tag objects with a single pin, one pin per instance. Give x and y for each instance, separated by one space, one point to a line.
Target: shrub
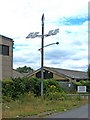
7 87
56 96
18 86
53 96
33 85
13 88
51 85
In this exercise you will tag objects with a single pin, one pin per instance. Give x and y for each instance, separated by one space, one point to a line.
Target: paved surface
81 112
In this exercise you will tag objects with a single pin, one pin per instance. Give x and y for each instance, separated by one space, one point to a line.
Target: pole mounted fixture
49 45
36 34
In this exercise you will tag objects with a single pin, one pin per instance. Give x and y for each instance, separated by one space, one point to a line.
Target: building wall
0 67
6 61
54 76
58 77
46 74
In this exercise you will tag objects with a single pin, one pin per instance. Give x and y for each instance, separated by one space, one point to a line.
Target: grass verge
28 105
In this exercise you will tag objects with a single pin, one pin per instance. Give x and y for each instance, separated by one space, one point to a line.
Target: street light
49 45
34 35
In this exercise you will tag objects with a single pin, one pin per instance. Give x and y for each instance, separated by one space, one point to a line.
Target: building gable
60 74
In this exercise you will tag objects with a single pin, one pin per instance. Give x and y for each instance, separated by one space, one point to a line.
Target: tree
24 69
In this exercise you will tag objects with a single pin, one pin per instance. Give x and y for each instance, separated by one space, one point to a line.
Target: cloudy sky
20 17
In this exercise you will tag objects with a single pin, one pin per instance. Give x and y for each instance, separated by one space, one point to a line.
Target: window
4 50
47 74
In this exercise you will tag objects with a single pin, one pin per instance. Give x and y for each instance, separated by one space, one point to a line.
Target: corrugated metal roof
69 73
17 74
65 73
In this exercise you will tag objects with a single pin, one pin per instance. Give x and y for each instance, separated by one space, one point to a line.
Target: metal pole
42 55
33 35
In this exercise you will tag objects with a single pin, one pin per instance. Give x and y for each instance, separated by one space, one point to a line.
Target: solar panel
32 35
35 35
50 32
55 32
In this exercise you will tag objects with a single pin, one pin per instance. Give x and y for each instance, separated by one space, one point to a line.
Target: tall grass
28 105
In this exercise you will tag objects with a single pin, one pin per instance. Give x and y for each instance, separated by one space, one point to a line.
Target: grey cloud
61 54
58 56
26 58
84 67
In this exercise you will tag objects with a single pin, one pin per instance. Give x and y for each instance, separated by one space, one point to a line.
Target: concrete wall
6 61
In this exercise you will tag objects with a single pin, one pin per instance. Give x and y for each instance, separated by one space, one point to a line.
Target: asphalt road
81 112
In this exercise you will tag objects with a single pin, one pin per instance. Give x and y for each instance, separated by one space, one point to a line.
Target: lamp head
57 43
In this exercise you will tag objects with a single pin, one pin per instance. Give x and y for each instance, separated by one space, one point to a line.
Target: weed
29 105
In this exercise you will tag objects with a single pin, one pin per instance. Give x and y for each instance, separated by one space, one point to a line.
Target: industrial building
63 75
6 57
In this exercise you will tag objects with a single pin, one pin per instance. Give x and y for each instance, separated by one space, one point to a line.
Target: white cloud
20 17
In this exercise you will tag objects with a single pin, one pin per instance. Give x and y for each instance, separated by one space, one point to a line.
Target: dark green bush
13 88
7 87
33 85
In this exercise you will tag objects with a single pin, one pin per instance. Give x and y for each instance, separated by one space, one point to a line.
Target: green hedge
13 88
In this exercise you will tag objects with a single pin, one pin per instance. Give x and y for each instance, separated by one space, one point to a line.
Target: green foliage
24 69
13 88
33 85
7 87
56 96
28 105
83 83
51 85
53 90
18 87
78 98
